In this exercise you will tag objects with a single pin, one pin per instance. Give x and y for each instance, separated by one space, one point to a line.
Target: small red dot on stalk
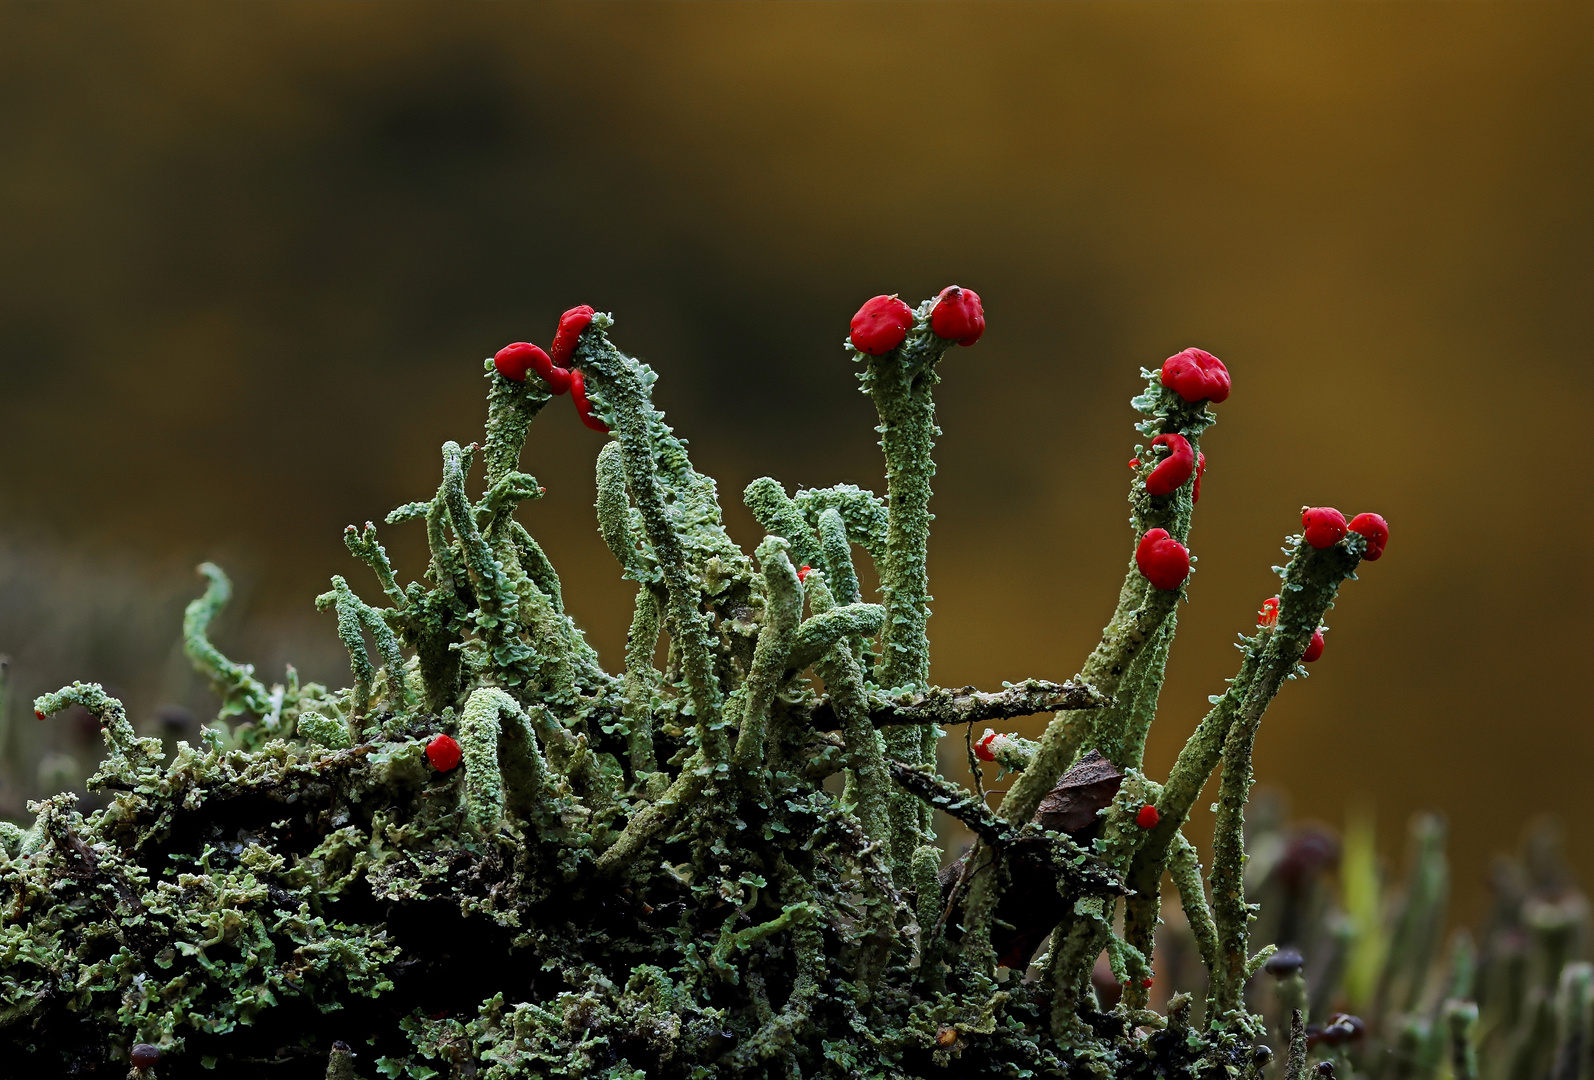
982 748
1147 982
1376 531
1314 648
1269 615
1323 525
1148 817
1172 471
443 752
1196 374
881 325
39 714
803 571
1163 560
514 361
958 315
571 324
578 394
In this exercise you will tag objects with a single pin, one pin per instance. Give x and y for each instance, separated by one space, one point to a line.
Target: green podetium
490 857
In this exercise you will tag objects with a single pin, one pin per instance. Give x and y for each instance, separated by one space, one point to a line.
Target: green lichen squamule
717 865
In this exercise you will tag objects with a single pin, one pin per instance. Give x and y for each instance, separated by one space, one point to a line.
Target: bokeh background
251 257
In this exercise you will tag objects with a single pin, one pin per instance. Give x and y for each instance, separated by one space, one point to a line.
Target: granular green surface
718 863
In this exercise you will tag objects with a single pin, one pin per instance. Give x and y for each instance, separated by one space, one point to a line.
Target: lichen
722 868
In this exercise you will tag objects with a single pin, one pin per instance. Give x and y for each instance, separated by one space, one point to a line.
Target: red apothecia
578 394
982 747
1148 817
1196 374
514 361
571 324
1324 526
803 571
958 315
1172 471
443 752
1375 529
1164 561
881 325
1314 648
1201 467
1270 612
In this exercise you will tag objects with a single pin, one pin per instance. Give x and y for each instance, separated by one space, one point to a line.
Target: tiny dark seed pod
1284 963
1260 1056
145 1055
1325 1069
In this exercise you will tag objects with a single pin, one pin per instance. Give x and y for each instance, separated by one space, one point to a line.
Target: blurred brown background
251 258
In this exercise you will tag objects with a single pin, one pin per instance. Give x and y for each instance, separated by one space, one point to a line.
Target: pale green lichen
649 875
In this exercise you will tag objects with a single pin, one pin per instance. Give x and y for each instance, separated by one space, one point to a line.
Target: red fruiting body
880 325
1270 612
1147 819
513 361
1196 374
982 747
1314 648
803 571
571 323
1201 467
958 315
39 714
1134 463
1172 471
1324 526
1164 561
144 1055
1375 529
578 394
443 752
557 378
1147 982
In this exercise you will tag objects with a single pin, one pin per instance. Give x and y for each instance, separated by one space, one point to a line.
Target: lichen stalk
490 719
630 414
901 384
1185 868
1310 581
240 692
1139 615
641 681
783 601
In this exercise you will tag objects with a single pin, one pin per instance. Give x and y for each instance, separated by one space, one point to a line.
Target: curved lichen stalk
717 865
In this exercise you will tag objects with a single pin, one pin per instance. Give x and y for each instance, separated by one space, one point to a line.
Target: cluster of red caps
884 321
516 361
1324 527
1195 375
